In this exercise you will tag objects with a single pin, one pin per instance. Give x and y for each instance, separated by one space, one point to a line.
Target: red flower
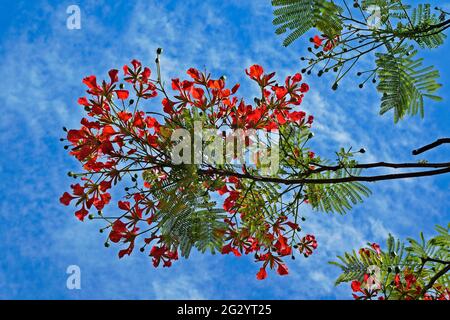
122 94
146 74
124 205
80 214
168 106
293 226
280 92
223 190
66 198
235 88
376 247
91 82
297 116
113 75
124 116
194 74
297 77
282 247
136 63
229 248
84 102
152 123
197 93
262 274
255 72
118 231
304 88
164 254
356 286
282 269
317 41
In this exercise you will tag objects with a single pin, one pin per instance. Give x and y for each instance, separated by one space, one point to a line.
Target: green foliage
338 198
355 265
188 217
301 15
422 19
404 82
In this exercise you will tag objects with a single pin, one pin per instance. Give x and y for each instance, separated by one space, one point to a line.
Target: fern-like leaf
299 16
404 82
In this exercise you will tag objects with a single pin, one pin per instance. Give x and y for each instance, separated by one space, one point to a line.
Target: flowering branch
209 171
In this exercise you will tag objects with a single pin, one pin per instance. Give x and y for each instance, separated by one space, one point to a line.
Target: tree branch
434 279
284 181
431 146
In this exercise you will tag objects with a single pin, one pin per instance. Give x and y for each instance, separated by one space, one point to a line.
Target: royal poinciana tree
230 191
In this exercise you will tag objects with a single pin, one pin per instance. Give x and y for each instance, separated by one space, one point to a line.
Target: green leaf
404 82
299 16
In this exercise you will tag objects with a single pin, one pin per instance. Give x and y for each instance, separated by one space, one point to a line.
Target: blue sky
42 64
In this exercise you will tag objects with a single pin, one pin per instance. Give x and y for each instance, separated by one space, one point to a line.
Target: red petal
262 274
124 205
66 198
80 214
122 94
90 81
282 270
113 75
356 286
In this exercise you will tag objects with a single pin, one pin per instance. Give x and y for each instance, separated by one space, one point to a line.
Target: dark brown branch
434 279
395 176
431 146
411 165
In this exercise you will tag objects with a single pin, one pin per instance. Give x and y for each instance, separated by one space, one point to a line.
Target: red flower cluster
330 43
118 141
